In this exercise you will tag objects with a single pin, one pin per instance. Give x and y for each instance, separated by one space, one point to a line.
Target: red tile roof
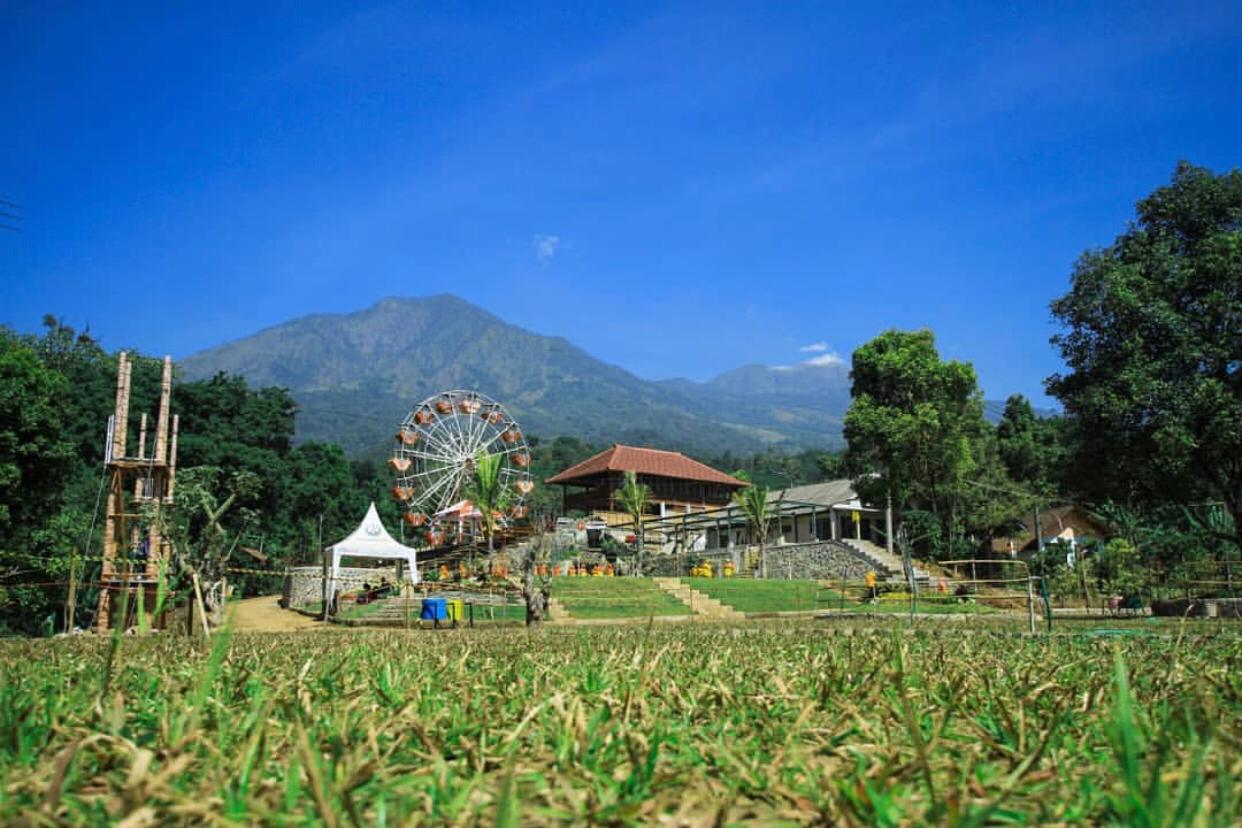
645 461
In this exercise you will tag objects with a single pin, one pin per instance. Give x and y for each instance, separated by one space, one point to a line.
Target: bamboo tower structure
140 485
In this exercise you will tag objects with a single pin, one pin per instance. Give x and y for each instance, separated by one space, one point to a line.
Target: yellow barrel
454 608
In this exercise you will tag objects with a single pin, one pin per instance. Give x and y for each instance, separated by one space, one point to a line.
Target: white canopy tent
369 541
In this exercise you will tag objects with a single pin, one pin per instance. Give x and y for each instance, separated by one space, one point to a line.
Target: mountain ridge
356 374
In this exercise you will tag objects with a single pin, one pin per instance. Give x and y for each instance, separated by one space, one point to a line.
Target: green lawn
928 605
602 597
758 596
484 613
752 596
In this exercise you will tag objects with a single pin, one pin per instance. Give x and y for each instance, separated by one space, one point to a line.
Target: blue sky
678 189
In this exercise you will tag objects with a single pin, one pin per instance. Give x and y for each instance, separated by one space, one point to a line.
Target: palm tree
486 492
753 501
634 498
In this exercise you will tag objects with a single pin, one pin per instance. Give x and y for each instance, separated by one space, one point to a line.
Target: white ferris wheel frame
447 444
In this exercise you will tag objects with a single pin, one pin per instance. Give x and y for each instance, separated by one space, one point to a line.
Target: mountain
993 410
356 375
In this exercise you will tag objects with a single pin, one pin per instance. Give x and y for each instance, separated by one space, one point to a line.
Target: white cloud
545 245
781 368
828 359
821 346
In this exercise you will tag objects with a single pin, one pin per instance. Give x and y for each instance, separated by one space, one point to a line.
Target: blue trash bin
434 608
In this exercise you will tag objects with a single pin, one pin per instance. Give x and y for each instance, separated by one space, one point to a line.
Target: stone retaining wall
304 585
806 560
817 560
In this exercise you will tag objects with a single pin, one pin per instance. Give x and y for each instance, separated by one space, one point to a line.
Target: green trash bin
455 614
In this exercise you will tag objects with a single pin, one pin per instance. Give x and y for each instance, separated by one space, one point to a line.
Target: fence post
908 566
1043 591
1030 602
72 599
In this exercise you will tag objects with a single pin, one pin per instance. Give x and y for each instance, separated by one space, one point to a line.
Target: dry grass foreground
796 724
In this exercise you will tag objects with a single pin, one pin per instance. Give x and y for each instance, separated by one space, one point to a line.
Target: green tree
206 523
633 498
487 493
1154 356
36 463
320 483
35 458
912 426
831 465
1119 567
1020 441
753 501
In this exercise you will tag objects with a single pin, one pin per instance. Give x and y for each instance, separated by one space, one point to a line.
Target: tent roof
371 540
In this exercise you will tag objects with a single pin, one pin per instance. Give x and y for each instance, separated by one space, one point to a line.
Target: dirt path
265 614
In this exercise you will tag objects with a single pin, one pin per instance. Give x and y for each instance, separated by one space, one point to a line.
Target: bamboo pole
72 599
202 609
121 410
172 458
161 417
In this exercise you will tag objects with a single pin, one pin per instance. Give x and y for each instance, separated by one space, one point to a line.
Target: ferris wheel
436 450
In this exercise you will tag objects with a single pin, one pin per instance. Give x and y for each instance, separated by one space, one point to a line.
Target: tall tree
1153 346
634 498
35 458
912 425
1019 440
753 501
36 462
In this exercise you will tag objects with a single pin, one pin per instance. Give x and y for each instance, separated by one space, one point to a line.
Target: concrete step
703 606
888 566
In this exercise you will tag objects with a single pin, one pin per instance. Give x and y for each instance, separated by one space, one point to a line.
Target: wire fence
486 592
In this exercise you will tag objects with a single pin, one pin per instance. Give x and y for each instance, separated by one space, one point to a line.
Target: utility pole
1039 536
888 522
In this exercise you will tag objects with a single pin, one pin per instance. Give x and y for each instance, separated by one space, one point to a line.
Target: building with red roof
677 483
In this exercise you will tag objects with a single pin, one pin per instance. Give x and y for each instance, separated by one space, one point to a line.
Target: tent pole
324 557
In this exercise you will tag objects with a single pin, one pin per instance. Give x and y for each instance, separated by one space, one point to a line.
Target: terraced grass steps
700 604
619 597
766 596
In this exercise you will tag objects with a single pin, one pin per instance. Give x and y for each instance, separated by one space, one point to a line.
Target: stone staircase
703 606
887 566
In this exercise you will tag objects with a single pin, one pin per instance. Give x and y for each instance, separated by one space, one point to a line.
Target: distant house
1066 524
678 484
828 510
